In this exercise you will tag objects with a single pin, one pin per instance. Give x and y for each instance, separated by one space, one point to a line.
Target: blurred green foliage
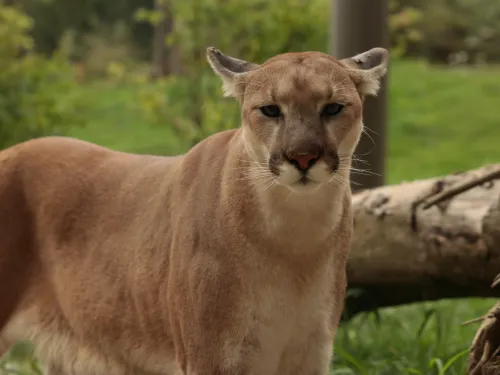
191 115
439 30
20 360
254 29
459 31
31 86
115 38
54 18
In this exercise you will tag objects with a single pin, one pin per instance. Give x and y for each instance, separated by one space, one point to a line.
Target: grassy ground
441 121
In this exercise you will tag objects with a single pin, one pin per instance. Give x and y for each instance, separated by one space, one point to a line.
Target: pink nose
304 161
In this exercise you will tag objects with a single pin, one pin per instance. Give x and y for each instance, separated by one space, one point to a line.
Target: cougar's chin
321 172
300 182
304 186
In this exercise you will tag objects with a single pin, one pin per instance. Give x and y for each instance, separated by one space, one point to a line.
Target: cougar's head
302 112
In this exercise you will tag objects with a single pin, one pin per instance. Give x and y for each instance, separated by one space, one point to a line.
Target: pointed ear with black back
367 69
231 70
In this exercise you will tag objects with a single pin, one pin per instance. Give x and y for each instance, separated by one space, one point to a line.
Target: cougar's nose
303 161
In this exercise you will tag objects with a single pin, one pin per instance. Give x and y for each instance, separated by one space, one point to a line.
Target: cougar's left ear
231 70
367 68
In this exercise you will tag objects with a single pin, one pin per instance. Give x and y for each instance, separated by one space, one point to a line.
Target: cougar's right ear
230 69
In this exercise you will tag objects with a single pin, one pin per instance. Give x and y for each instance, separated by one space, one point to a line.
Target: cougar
227 260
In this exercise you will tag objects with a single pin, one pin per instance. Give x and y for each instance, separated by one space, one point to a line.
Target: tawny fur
206 263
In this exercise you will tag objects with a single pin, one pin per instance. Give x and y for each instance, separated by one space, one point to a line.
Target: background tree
31 86
357 26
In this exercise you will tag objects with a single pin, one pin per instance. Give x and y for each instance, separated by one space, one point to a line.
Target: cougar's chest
286 312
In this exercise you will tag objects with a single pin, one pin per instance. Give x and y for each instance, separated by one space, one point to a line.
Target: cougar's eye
270 111
332 109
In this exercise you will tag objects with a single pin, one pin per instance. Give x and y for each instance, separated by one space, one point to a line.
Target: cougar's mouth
304 180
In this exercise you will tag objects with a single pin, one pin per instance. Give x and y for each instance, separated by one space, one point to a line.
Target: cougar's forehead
299 79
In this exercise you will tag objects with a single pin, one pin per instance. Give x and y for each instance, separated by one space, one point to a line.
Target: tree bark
403 254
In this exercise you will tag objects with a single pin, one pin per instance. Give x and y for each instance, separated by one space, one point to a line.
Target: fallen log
425 240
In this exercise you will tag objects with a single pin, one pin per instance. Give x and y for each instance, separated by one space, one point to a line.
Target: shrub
31 86
456 31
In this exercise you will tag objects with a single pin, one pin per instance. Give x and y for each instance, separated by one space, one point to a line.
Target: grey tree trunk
357 26
402 255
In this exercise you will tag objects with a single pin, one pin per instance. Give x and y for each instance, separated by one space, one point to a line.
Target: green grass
115 120
411 339
440 121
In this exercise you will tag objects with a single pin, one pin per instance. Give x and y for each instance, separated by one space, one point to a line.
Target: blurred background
131 75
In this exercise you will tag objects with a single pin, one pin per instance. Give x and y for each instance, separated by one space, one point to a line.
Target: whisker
364 174
356 171
252 162
250 165
368 129
268 184
369 137
336 180
259 183
361 170
254 176
288 196
367 153
355 157
257 169
361 161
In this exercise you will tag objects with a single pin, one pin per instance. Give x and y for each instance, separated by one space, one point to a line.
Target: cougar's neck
274 210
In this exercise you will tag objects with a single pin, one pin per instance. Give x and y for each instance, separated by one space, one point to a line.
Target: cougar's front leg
218 357
312 357
317 360
211 320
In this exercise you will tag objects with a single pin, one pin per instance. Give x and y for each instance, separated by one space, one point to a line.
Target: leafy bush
31 86
169 103
439 30
456 31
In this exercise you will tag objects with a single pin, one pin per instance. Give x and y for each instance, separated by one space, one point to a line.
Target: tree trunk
357 26
166 59
402 253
